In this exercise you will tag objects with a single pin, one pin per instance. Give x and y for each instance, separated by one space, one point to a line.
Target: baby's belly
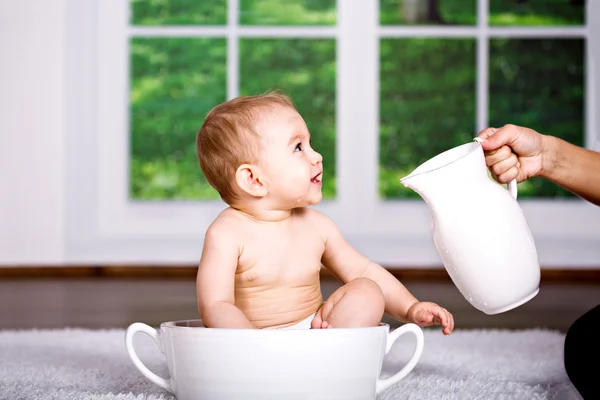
278 307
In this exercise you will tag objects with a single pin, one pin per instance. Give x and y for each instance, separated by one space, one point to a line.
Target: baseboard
557 275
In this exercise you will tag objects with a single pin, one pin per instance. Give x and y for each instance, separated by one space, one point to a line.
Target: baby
262 255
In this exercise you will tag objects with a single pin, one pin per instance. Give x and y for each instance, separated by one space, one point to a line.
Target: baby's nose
316 158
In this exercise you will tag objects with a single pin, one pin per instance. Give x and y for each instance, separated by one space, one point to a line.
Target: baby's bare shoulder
316 219
225 225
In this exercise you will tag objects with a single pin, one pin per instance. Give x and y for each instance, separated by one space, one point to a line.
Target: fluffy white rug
93 364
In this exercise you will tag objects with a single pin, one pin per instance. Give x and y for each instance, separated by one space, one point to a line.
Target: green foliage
428 100
297 12
178 12
170 178
305 70
456 12
539 83
175 82
427 104
536 12
214 12
502 12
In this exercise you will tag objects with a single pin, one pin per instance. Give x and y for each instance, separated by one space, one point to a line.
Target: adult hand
514 152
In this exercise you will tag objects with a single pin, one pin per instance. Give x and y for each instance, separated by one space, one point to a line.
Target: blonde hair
227 139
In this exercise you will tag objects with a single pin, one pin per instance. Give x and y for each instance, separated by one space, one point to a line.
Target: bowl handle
383 384
153 333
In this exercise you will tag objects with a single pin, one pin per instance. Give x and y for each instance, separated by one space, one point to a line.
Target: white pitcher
479 229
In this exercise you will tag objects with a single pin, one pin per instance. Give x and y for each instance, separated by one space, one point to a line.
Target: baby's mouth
317 178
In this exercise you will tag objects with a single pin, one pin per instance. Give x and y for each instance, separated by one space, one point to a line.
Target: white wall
31 131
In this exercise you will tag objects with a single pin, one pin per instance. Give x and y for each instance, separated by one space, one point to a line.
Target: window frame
104 225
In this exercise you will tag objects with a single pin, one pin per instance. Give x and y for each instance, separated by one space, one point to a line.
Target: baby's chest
294 259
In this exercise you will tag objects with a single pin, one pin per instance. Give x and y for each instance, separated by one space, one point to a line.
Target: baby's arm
348 264
215 282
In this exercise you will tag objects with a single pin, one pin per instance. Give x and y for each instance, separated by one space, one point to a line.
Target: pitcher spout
408 181
422 180
417 182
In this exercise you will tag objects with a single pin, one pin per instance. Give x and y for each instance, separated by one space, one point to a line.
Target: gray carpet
83 364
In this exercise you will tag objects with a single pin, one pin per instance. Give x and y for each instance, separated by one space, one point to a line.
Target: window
472 70
383 85
177 77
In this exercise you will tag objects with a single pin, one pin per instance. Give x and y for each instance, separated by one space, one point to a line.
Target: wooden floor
116 302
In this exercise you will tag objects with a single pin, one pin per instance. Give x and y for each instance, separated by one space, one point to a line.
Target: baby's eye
298 147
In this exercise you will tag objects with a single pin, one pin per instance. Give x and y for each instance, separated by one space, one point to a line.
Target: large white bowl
259 364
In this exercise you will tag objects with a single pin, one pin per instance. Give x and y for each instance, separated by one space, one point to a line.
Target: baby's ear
249 179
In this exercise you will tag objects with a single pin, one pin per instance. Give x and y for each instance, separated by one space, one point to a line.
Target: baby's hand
427 314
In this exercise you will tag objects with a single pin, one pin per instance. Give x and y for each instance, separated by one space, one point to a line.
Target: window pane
537 12
539 83
175 82
288 12
428 12
305 70
178 12
428 105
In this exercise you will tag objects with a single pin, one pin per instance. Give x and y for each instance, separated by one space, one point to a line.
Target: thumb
425 316
494 138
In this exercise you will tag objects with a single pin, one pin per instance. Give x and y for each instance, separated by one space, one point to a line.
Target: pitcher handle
383 384
512 185
153 333
512 188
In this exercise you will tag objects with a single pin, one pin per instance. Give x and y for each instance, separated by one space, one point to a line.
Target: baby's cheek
300 177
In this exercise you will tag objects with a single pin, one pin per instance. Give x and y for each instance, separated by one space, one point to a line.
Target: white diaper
304 324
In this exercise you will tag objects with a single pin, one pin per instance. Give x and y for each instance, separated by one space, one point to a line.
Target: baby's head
253 146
